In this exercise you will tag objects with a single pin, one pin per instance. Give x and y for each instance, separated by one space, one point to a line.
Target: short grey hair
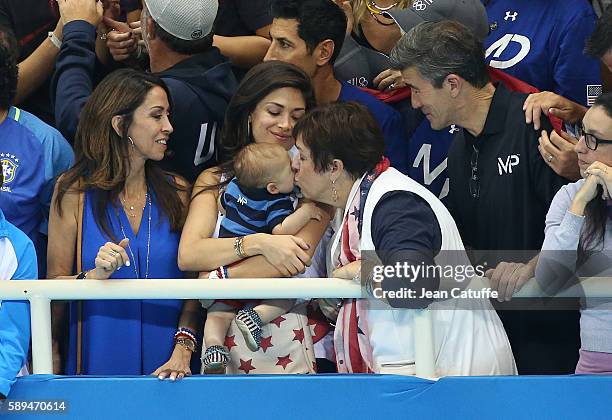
437 49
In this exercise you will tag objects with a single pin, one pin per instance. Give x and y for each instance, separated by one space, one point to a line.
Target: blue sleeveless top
127 337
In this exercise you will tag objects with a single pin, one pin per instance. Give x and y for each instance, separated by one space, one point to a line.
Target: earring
334 191
249 128
131 141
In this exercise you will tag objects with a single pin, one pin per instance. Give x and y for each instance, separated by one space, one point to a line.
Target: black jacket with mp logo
514 184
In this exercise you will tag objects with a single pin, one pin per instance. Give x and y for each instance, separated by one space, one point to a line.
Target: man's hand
122 40
509 278
551 104
87 10
558 153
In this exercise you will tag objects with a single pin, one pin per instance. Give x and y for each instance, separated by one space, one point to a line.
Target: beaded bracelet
186 332
219 273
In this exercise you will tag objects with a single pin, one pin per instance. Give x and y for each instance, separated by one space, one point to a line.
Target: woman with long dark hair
579 235
271 98
117 215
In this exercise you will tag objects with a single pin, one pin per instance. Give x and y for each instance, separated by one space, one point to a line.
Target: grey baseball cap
471 13
185 19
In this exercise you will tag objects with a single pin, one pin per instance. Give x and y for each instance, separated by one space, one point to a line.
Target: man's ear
150 28
272 188
454 84
324 52
117 123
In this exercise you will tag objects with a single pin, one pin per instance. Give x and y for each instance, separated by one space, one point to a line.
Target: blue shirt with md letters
541 42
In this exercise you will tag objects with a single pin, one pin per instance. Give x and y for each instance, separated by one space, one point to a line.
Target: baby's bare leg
271 309
218 321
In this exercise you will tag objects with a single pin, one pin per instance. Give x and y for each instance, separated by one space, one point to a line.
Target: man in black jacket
178 35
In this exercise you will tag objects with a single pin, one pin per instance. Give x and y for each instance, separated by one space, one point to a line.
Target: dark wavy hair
596 212
259 82
102 156
8 67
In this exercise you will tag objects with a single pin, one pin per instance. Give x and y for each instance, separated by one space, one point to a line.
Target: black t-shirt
242 17
406 230
31 21
515 185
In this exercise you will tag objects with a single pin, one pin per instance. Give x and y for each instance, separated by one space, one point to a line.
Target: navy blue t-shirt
390 121
406 230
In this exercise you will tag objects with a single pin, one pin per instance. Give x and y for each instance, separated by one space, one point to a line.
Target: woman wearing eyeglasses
579 235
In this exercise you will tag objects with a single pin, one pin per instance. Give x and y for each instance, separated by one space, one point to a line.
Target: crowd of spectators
219 139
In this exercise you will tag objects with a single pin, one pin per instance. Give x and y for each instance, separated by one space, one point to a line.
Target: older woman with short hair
341 164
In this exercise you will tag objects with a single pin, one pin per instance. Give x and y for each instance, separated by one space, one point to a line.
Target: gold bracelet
238 248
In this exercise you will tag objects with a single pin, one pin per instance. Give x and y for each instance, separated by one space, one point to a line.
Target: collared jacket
17 262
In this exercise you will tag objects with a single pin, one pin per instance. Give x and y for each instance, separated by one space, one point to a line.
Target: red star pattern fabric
278 321
266 343
299 335
246 366
284 361
229 342
286 347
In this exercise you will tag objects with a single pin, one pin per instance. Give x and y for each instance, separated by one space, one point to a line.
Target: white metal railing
40 293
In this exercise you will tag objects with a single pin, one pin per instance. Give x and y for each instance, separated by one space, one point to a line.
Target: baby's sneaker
249 324
215 360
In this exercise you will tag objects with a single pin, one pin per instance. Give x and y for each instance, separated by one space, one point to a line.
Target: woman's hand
604 177
111 257
587 192
347 8
285 252
177 367
389 79
348 271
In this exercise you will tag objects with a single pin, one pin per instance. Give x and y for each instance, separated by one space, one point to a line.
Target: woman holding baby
271 98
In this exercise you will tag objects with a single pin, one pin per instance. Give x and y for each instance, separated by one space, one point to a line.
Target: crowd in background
277 138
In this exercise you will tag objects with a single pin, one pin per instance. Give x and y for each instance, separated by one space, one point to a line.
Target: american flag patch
593 91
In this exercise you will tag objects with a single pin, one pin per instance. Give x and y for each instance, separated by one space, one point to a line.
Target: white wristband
55 40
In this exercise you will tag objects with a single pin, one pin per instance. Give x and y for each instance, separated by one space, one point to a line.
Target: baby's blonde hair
258 164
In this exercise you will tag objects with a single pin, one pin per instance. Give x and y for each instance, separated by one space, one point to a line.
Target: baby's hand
312 211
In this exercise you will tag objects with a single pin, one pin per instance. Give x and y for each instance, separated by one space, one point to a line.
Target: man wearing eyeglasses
500 188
